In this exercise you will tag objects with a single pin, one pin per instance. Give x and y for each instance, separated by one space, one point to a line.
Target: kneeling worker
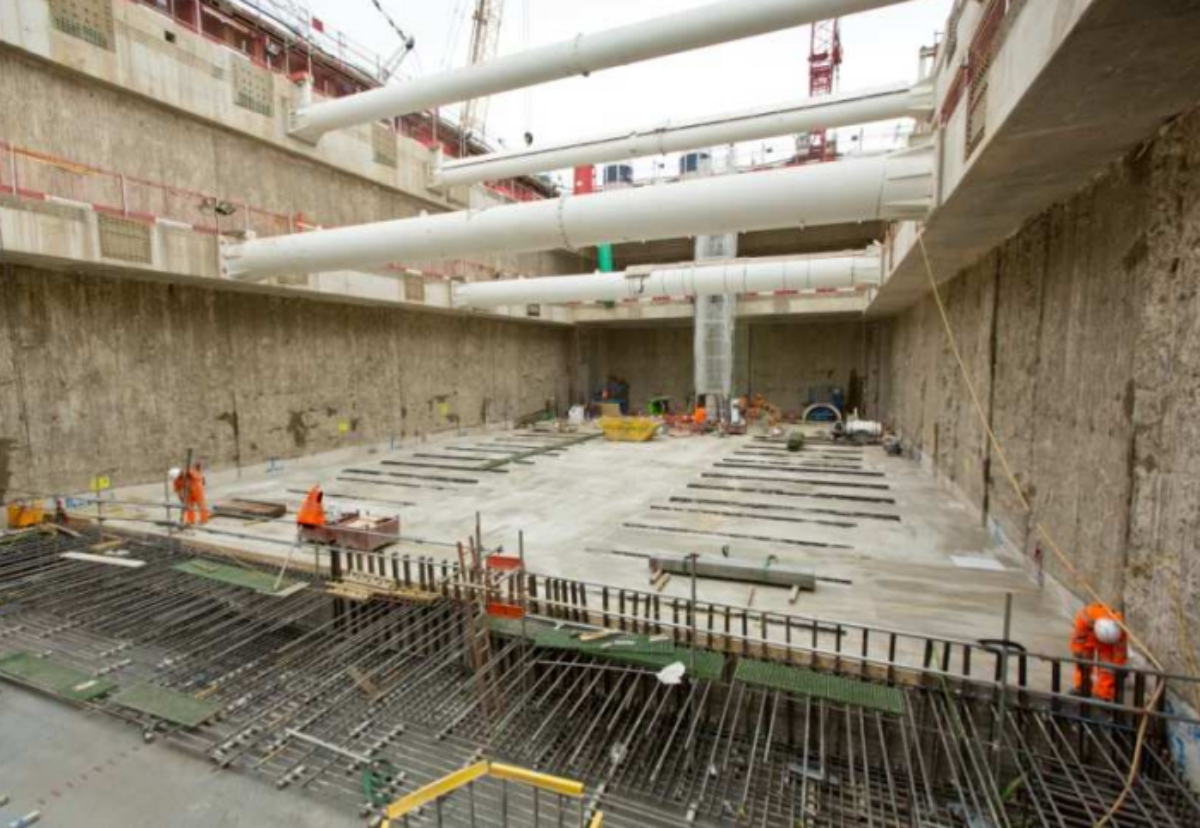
312 512
1099 636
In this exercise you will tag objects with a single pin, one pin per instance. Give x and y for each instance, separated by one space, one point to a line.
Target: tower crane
485 42
824 63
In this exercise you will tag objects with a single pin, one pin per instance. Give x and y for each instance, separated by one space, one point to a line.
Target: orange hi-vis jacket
189 488
1085 645
312 512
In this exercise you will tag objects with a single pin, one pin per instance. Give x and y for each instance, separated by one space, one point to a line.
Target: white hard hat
173 473
1108 631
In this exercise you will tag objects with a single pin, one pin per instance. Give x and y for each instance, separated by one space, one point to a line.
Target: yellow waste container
629 429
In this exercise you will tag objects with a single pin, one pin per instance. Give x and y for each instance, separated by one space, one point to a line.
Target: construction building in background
354 473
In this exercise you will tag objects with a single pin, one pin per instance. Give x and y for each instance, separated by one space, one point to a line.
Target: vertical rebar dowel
524 601
1008 604
504 802
692 617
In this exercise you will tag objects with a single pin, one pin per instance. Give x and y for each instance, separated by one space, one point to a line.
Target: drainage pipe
721 22
898 100
737 277
882 187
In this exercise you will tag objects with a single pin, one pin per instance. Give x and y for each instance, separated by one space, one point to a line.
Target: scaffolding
715 324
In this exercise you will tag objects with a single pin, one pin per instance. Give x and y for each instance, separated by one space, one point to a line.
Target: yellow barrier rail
461 778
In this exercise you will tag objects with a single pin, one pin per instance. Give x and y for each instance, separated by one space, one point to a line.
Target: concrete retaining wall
119 377
1082 334
786 360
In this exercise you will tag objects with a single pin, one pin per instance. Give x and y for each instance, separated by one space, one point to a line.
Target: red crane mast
824 62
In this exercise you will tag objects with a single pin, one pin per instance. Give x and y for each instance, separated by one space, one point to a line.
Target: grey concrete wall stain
6 449
298 428
1096 377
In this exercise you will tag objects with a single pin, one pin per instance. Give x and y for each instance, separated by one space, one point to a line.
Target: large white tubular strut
730 278
710 25
898 100
884 187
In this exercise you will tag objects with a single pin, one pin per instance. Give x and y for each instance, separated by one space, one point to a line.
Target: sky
879 46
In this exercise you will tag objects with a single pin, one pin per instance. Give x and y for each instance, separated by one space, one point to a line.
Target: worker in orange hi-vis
189 488
1100 637
312 511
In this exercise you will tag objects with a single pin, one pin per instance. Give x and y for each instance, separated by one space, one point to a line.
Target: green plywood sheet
59 679
639 649
820 685
167 704
263 582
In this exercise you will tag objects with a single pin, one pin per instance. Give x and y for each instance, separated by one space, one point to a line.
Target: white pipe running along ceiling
709 25
894 186
731 278
897 100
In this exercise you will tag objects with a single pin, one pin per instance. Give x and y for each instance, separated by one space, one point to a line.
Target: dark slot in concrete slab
783 492
411 465
750 516
431 478
758 464
371 482
479 450
783 507
453 458
804 457
348 496
736 536
555 451
806 481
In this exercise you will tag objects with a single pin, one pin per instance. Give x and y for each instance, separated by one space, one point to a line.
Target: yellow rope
1045 535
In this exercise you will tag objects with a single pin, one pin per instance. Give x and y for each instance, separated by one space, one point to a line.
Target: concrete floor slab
588 512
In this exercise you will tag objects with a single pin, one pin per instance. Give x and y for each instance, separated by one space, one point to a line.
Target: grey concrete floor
918 574
81 769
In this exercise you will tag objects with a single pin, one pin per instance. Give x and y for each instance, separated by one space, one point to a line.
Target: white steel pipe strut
894 186
731 278
898 100
721 22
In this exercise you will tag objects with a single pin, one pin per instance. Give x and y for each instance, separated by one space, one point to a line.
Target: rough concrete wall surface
654 361
1082 335
785 360
117 377
1163 580
117 131
788 360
